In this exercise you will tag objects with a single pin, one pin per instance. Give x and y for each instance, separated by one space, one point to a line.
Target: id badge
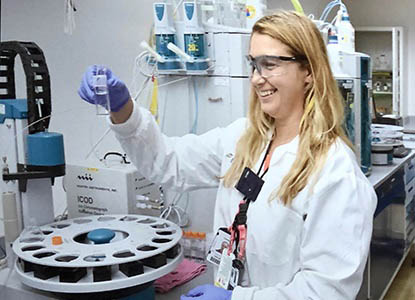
223 277
219 245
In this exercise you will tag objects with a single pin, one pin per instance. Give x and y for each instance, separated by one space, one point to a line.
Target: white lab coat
322 257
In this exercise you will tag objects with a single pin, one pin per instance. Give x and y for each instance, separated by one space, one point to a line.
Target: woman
308 229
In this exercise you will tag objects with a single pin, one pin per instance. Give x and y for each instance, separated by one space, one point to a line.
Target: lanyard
238 229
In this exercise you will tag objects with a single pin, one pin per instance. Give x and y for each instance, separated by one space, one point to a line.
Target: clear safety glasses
269 65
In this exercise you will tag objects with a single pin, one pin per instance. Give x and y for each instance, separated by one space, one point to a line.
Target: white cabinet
385 46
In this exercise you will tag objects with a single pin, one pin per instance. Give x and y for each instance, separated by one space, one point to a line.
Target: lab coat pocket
278 235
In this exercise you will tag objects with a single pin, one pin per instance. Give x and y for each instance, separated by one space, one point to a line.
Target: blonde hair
322 121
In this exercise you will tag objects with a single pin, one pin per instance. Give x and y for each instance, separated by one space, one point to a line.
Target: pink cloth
185 271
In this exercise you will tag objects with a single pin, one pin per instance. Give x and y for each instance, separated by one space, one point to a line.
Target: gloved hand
117 91
207 292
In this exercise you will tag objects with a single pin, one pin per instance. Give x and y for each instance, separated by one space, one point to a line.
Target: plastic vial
193 245
202 246
186 244
101 89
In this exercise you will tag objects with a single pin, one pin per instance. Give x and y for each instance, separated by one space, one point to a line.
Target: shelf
382 73
381 93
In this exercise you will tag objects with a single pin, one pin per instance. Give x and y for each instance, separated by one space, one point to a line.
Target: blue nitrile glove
117 91
207 292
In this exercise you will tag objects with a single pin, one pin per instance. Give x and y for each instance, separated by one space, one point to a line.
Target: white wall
109 32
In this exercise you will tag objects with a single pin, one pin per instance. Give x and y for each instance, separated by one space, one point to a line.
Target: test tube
101 89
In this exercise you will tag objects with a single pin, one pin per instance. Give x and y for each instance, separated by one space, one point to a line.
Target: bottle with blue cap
333 52
345 31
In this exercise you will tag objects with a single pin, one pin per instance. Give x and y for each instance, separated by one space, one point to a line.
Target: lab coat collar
290 147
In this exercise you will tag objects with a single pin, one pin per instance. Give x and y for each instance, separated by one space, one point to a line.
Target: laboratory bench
394 224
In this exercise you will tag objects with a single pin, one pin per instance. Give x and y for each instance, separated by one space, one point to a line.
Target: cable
173 81
175 213
69 21
37 121
63 216
109 129
148 60
97 143
141 90
194 127
177 7
330 6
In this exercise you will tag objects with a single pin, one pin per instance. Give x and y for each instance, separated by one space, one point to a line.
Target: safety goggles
270 65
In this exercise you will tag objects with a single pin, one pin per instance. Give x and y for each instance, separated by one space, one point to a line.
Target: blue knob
101 236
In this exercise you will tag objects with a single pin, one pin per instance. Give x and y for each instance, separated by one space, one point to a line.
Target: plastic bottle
194 247
333 52
202 246
186 244
346 33
255 9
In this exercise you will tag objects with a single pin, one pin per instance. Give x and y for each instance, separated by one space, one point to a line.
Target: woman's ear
309 77
308 82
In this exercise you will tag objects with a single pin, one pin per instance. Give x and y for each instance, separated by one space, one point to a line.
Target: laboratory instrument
165 33
385 140
353 73
92 190
194 36
32 157
194 101
99 257
354 81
